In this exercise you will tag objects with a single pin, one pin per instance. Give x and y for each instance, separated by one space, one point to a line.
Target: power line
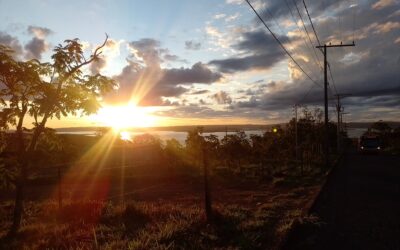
303 38
308 35
305 96
319 43
312 25
287 38
333 81
280 43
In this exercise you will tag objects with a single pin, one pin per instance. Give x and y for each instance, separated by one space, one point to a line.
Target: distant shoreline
217 128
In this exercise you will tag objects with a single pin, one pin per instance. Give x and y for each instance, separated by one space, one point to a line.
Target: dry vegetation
247 215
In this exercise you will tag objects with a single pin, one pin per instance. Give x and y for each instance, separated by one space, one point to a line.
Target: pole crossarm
335 45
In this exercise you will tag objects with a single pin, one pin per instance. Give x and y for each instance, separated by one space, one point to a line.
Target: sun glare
124 135
123 117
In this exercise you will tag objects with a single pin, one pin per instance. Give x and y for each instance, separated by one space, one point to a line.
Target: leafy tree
212 148
194 145
381 127
174 152
146 140
236 147
45 91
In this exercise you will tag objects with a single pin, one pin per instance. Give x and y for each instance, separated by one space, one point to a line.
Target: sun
124 117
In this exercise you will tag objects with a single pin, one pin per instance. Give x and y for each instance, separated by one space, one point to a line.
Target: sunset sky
212 62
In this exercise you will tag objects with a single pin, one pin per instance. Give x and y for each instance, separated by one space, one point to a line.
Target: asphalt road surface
359 207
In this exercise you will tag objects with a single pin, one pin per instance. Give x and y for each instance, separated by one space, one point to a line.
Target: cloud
261 52
232 17
222 97
234 2
110 51
97 66
191 45
35 48
146 82
219 16
386 27
199 92
382 4
39 32
37 45
198 73
11 42
147 50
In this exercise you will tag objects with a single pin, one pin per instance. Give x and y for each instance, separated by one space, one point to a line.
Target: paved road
359 208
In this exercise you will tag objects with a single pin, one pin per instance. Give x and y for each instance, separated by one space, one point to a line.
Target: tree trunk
21 182
18 207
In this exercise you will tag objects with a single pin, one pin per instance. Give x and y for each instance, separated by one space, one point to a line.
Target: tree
174 152
236 147
194 145
382 127
45 91
212 147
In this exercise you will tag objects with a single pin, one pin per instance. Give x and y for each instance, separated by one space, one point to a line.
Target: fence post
59 188
207 195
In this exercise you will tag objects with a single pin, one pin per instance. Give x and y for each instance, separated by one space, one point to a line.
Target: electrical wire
298 103
312 25
333 80
280 43
287 38
308 35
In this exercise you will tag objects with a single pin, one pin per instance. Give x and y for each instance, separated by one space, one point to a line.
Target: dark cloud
170 57
199 111
97 65
261 52
39 32
37 45
151 83
222 97
279 9
11 42
198 73
199 92
148 50
192 45
369 71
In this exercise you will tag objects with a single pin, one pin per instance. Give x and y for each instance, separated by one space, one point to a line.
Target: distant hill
368 124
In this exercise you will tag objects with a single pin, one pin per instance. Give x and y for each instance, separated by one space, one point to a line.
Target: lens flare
123 117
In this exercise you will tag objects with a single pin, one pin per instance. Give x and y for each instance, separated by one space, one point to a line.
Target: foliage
381 127
45 91
147 140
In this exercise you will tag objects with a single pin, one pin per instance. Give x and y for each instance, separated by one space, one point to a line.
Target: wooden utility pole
339 123
324 51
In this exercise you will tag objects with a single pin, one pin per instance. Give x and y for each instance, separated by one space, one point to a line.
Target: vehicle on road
370 143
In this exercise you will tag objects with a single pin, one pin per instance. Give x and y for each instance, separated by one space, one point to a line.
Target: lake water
181 136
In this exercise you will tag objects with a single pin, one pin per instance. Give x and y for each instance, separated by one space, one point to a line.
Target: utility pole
339 123
326 143
296 138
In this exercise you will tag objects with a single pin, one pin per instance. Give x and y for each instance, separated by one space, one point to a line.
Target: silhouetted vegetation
43 91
